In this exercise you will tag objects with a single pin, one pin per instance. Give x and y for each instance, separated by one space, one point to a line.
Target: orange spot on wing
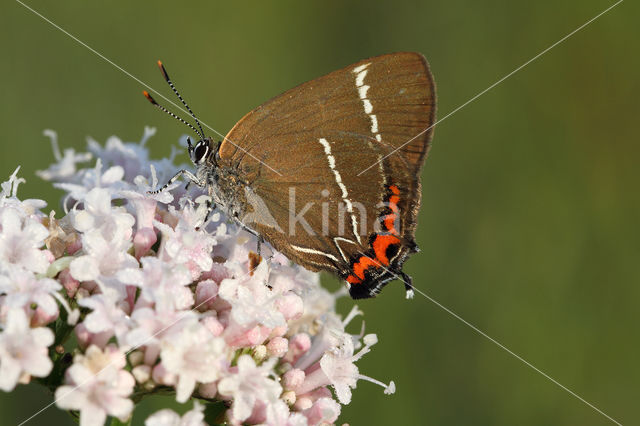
352 279
364 263
393 203
394 189
389 221
380 245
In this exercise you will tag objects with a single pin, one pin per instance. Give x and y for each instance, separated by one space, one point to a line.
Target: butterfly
328 172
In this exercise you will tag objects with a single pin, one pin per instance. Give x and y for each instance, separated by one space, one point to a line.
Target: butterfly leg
188 174
210 208
259 244
260 238
257 235
408 285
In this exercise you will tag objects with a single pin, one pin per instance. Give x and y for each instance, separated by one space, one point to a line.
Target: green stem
116 422
74 415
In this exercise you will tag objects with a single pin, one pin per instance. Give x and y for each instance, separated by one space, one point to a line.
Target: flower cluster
129 294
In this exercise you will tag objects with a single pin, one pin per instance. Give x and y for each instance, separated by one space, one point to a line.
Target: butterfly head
200 151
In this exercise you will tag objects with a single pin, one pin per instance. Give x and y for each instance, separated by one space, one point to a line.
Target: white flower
144 186
194 355
97 386
105 315
20 241
103 261
337 368
88 179
323 411
98 214
340 370
161 283
251 300
131 158
250 384
317 303
10 188
184 244
9 198
22 288
327 338
149 327
23 350
278 414
167 417
65 168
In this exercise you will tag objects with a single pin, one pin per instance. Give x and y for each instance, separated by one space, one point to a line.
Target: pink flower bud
240 337
208 390
86 338
143 240
323 411
42 317
161 376
151 354
213 325
279 331
217 273
141 373
303 404
69 283
206 293
301 342
82 335
278 346
74 245
298 345
293 378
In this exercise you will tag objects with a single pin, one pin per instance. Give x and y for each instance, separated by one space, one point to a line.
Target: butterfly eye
200 152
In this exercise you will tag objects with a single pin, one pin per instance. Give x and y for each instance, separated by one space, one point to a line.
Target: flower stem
116 422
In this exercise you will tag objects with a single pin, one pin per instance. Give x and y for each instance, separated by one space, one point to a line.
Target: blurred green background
529 224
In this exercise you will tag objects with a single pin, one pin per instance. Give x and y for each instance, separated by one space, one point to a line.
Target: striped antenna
166 77
161 108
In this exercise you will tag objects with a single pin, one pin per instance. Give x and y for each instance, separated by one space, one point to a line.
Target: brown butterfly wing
322 135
